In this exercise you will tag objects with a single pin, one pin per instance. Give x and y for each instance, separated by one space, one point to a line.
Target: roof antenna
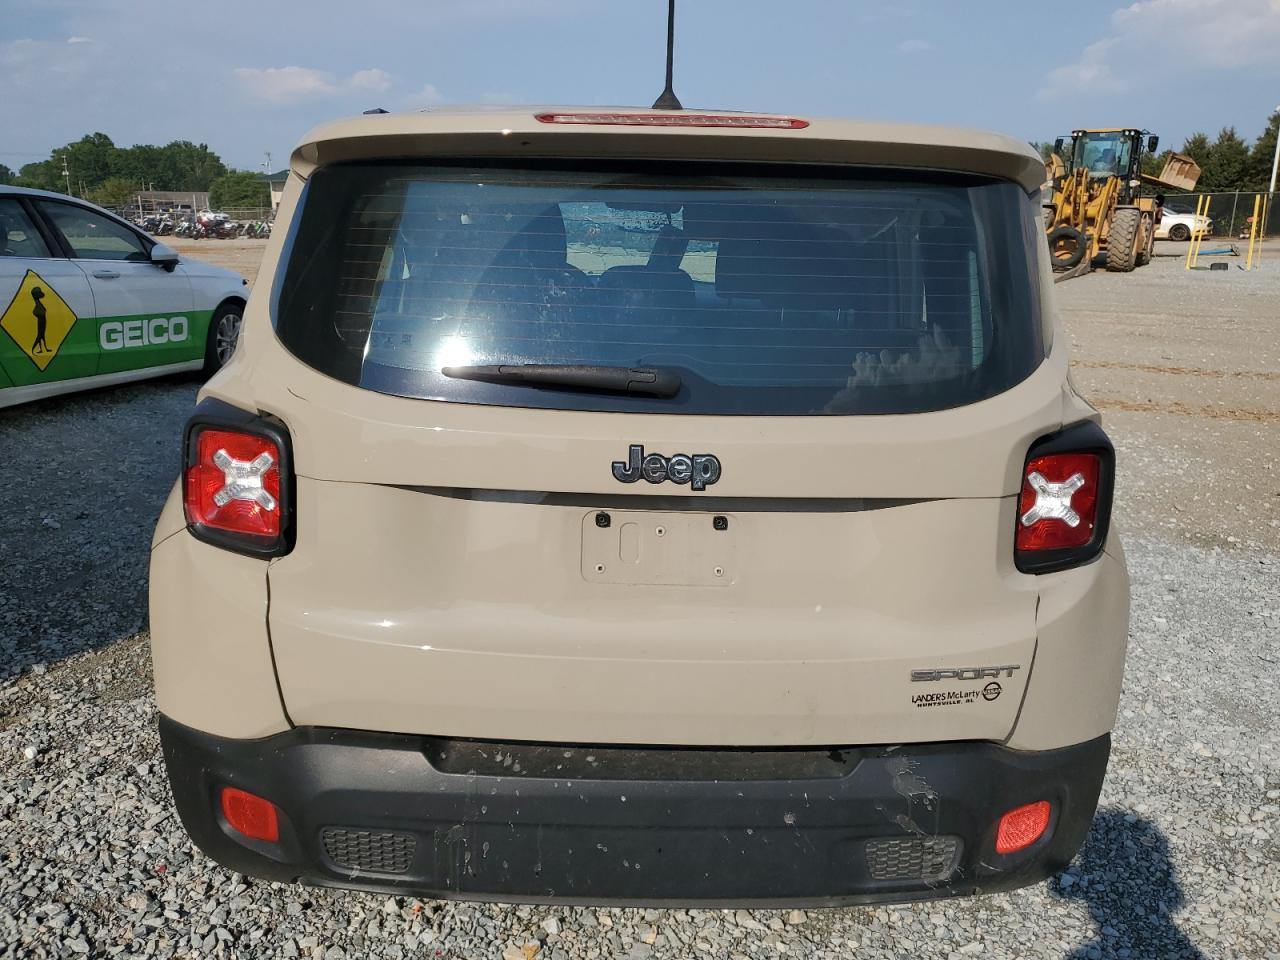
668 100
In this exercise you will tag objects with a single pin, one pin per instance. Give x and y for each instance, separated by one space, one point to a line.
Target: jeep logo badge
699 471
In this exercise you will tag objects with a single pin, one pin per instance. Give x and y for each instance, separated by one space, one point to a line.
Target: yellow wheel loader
1097 205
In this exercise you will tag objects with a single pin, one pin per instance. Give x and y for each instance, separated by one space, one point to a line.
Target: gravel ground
1185 366
1182 860
241 254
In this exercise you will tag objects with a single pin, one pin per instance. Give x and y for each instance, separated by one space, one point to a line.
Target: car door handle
107 274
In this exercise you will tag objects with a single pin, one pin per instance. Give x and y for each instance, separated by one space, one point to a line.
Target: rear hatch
809 542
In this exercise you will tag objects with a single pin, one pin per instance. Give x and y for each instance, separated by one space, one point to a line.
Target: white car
1178 226
89 300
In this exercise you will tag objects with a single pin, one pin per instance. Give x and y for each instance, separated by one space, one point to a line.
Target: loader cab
1109 153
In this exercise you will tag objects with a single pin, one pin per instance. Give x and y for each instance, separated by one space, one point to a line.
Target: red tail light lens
233 483
250 815
675 119
1022 826
1058 508
1064 506
237 480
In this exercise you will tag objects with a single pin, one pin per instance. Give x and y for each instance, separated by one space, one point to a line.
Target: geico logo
118 334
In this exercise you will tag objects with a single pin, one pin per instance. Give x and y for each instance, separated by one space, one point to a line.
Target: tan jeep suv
644 506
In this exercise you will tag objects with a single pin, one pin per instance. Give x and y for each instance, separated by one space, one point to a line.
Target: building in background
175 202
276 182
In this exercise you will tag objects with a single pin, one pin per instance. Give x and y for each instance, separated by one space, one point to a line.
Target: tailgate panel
423 612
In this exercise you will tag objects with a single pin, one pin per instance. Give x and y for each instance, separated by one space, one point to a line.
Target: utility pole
67 173
1275 161
266 165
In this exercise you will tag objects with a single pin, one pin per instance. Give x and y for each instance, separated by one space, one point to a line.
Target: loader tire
1122 242
1067 245
1146 239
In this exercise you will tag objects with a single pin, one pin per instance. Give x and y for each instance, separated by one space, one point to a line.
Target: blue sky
251 77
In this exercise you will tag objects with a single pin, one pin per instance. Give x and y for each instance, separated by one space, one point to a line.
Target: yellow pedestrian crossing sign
38 320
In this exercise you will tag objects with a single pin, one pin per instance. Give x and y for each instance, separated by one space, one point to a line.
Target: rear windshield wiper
644 381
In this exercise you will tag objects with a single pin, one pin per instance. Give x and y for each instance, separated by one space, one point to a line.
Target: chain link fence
249 214
1230 212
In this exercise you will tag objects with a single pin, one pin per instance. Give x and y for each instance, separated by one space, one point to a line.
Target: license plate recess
661 549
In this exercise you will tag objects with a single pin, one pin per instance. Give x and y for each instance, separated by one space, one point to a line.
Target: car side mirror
1152 142
163 255
1057 146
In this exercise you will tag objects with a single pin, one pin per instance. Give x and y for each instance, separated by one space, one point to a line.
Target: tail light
1022 826
237 480
250 815
1064 507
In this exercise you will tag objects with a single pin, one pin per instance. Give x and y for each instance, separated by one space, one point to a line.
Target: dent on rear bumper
1082 633
209 646
810 833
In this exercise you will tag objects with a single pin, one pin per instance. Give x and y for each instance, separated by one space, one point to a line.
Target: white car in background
89 300
1178 226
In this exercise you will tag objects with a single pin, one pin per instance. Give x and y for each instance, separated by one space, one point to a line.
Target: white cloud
372 79
47 65
1091 73
915 45
79 40
1213 33
428 96
284 85
1181 35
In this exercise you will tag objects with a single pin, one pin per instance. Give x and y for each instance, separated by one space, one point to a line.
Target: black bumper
523 822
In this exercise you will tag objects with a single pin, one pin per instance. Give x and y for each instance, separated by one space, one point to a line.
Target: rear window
770 291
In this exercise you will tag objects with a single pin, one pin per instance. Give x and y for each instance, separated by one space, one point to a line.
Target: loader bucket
1180 173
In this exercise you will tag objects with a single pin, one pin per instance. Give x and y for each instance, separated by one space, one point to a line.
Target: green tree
6 175
89 161
1262 155
188 166
112 193
43 175
239 190
142 164
1198 148
94 159
1227 166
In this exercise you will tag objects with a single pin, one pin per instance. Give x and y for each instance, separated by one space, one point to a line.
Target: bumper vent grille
375 851
912 858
